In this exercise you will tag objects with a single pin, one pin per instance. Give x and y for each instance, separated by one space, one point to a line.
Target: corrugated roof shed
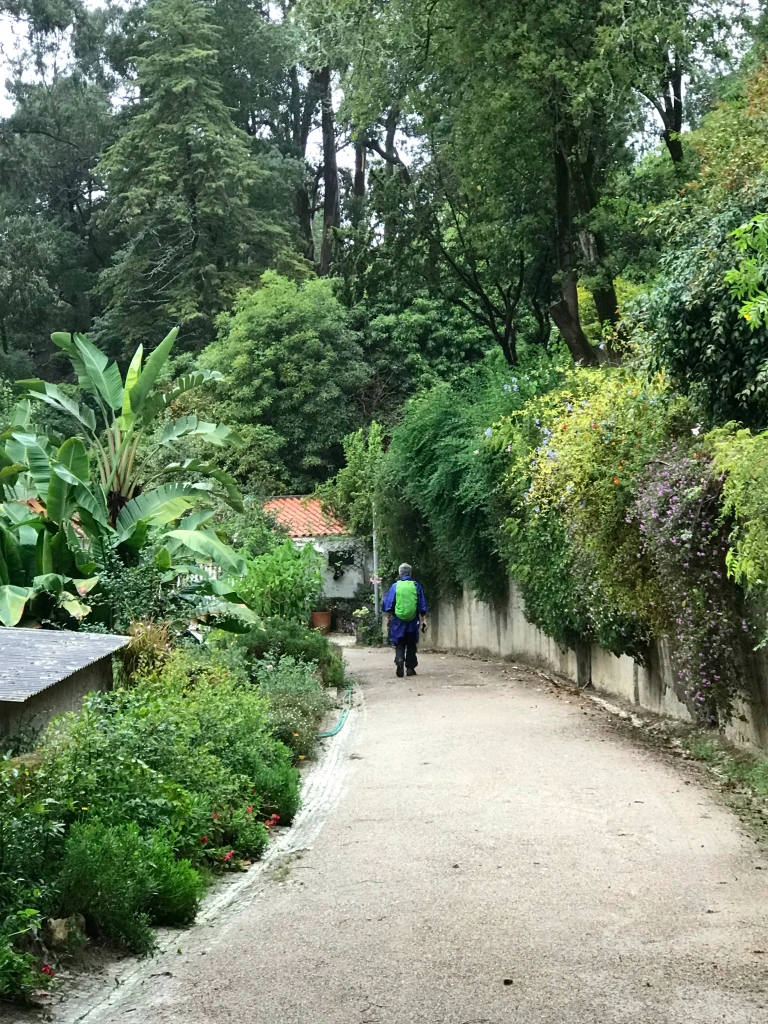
304 517
31 660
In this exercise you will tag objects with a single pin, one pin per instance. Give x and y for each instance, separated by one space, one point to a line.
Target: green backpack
406 600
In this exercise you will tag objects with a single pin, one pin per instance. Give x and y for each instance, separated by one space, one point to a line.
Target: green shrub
333 671
182 745
181 768
284 582
280 637
20 971
441 481
253 532
123 881
127 594
297 702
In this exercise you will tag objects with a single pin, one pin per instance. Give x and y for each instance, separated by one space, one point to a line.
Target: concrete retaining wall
503 632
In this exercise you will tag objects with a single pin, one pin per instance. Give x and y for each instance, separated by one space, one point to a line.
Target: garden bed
128 809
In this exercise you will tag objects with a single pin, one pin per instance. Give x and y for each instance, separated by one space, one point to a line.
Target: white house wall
354 577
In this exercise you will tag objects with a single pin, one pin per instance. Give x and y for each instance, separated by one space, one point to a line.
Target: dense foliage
128 801
517 331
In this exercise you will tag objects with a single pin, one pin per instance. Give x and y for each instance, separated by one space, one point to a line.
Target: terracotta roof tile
303 517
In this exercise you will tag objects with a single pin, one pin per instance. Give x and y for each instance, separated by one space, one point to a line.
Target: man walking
406 600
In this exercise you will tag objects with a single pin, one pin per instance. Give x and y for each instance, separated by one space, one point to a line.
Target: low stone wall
503 632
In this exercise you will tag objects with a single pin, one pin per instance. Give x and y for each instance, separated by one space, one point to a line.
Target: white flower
696 431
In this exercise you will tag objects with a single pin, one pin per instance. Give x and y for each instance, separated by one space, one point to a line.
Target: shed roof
31 660
304 517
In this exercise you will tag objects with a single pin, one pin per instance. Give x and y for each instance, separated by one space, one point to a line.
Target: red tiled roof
303 517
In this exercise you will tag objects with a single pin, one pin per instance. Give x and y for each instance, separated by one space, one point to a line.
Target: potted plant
321 617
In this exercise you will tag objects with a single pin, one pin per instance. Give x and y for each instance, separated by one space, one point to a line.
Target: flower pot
321 621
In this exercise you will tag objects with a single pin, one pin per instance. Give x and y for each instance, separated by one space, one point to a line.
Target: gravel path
498 855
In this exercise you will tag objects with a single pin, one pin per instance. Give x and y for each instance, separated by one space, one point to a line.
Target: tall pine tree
187 196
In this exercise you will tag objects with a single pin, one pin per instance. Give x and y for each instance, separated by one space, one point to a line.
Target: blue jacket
397 629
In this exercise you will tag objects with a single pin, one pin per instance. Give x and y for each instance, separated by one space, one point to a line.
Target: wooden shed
48 672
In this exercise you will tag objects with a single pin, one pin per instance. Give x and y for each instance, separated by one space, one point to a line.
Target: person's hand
423 625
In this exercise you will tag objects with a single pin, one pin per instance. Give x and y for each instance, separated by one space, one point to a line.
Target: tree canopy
354 200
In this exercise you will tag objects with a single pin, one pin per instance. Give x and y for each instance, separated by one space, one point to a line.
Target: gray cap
405 569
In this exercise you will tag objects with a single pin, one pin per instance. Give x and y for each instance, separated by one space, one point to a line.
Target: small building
46 672
347 559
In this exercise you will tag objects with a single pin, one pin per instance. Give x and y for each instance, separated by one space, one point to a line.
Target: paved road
498 856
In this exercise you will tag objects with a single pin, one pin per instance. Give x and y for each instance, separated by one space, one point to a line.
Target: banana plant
70 507
127 412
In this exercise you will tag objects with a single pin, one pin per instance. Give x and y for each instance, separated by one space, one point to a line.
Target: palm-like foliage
72 507
128 409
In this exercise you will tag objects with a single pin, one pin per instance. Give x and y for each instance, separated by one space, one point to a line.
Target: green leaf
159 506
131 379
12 557
207 545
91 498
53 396
21 418
76 608
19 513
191 426
73 455
66 342
156 403
105 376
137 538
12 601
152 370
43 554
232 618
196 520
50 582
63 558
32 451
231 492
70 469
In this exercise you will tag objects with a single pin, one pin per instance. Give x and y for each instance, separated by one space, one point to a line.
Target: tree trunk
393 116
565 313
304 216
593 244
331 207
358 183
302 107
673 110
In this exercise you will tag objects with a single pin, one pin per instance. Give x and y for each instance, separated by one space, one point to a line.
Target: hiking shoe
399 671
411 672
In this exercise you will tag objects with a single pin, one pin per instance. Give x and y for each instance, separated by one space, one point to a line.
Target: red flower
215 815
229 856
250 810
47 970
275 818
204 840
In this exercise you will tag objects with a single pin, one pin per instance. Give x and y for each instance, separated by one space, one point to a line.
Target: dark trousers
405 651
